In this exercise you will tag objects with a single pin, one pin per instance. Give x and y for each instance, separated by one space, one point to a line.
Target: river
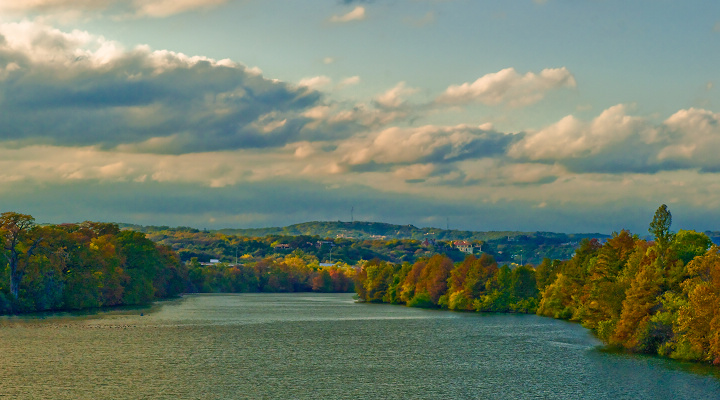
323 346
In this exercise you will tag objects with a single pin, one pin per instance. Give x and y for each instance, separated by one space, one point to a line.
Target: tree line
77 266
93 264
228 248
658 296
296 272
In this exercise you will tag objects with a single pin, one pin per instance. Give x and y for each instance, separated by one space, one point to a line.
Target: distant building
282 246
212 262
465 246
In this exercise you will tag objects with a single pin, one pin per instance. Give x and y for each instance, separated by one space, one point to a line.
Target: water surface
309 346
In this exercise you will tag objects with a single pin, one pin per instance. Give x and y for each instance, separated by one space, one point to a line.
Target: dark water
310 346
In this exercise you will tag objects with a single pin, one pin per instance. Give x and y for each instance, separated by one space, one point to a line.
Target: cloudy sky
551 115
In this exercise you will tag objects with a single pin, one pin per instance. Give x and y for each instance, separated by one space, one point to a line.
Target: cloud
142 8
338 122
315 82
508 87
350 81
79 89
357 14
615 142
20 6
422 145
394 97
164 8
695 139
572 138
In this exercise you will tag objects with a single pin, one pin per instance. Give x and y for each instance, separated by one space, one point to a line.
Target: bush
421 300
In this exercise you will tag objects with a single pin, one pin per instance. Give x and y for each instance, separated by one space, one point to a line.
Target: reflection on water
310 346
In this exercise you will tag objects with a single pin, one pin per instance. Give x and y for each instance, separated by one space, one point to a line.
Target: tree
19 240
636 330
660 227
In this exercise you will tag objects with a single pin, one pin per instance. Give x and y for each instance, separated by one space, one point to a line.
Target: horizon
646 235
491 115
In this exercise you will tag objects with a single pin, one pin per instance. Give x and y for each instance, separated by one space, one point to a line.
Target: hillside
379 230
353 241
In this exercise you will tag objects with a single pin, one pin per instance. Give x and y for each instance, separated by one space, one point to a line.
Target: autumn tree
698 324
603 293
635 329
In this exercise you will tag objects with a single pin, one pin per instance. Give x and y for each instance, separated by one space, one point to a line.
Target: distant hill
377 230
356 240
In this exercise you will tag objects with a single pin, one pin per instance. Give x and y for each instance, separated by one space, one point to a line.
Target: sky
530 115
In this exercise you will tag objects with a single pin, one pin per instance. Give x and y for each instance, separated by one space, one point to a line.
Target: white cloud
315 82
509 87
143 8
164 8
350 81
76 88
573 138
360 114
425 144
19 6
695 139
395 97
615 142
319 112
357 14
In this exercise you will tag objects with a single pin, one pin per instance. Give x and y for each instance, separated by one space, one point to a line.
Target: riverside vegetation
657 296
92 264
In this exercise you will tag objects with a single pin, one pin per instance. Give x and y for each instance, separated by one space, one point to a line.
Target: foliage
473 284
353 242
293 273
658 297
75 266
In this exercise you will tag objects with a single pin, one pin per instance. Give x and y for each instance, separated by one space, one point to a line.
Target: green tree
141 263
546 273
20 240
660 227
